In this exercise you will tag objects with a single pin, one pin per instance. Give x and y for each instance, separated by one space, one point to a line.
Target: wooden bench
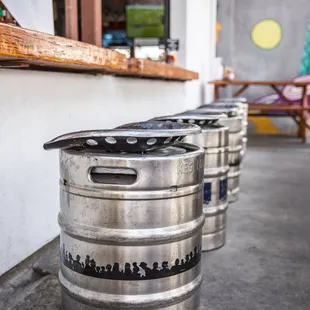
299 113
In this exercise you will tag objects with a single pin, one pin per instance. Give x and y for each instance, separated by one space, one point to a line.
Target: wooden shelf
148 68
23 48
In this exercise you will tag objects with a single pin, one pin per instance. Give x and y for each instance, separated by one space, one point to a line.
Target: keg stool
214 140
131 217
234 122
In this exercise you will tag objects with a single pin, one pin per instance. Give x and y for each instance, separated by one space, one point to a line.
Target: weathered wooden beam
19 47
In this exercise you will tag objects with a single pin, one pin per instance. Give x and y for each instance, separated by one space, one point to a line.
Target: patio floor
265 264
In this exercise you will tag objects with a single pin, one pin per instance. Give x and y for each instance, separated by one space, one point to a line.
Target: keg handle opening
113 176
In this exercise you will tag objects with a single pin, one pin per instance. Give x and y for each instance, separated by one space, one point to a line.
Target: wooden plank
277 107
216 92
302 124
148 68
44 49
286 100
52 52
258 83
241 91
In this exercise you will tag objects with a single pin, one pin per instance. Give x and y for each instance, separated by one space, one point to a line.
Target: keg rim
232 99
229 111
194 117
157 128
132 137
228 105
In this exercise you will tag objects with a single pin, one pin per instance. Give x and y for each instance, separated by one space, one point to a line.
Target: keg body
214 140
245 129
131 229
237 122
234 125
244 146
245 107
242 108
236 144
234 182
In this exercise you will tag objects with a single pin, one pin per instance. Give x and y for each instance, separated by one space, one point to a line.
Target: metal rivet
151 141
91 142
110 140
168 140
131 140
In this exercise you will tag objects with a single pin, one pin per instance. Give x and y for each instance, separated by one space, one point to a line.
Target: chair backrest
295 93
268 99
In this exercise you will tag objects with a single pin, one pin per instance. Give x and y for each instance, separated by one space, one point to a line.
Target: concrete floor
265 264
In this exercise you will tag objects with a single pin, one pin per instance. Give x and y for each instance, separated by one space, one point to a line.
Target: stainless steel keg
214 140
245 124
236 137
244 146
131 218
243 107
234 124
234 182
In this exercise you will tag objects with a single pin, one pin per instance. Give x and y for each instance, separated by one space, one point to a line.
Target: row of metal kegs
140 203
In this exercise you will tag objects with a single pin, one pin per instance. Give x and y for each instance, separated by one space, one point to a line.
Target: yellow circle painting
267 34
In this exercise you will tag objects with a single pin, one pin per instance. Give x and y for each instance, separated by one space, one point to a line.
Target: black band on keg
130 271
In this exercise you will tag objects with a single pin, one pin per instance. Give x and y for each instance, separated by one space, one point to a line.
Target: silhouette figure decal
130 271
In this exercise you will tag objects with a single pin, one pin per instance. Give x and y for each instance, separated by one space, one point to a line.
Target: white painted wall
37 106
32 14
193 23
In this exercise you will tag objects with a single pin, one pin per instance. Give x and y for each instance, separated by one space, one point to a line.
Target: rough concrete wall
235 46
